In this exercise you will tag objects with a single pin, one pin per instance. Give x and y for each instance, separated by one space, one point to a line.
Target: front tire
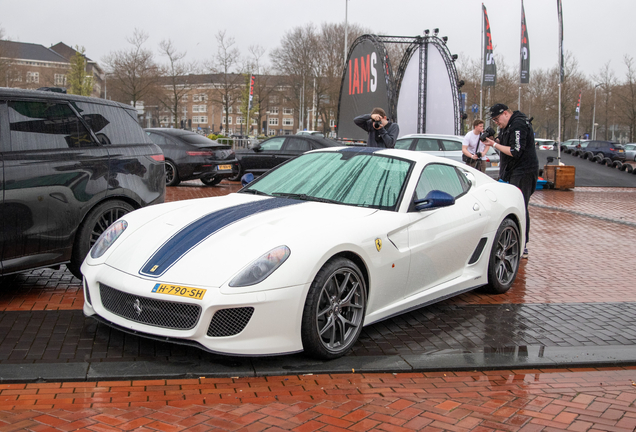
172 174
95 223
504 258
334 310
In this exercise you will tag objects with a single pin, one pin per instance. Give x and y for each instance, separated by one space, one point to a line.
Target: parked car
545 144
630 152
71 166
276 150
572 145
190 156
606 149
448 146
309 253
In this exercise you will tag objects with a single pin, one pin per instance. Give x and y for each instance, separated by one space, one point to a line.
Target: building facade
31 66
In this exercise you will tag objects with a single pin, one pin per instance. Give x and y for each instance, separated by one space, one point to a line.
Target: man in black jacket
382 132
519 164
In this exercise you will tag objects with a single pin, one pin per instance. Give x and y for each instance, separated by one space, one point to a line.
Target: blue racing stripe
190 236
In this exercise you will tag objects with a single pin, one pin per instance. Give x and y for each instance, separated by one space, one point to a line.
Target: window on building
60 79
201 97
273 122
33 77
238 110
288 121
332 123
288 111
184 98
240 120
273 110
200 119
199 108
273 99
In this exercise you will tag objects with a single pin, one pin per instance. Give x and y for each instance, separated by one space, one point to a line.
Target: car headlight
261 268
108 237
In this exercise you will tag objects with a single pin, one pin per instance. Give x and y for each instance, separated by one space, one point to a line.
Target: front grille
229 322
158 313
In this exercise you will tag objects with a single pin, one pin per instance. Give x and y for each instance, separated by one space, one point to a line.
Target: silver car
448 146
630 152
572 145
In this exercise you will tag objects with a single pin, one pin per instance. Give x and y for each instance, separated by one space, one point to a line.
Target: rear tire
95 223
239 174
504 258
211 181
172 174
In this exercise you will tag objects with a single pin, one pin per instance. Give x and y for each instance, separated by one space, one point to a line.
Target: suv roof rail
53 89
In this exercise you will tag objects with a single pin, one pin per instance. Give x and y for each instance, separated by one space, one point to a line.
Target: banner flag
578 108
561 65
524 77
489 66
249 105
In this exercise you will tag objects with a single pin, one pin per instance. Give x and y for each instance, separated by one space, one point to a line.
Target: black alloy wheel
172 175
334 310
504 258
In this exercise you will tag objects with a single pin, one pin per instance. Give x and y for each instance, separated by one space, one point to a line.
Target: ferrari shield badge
378 244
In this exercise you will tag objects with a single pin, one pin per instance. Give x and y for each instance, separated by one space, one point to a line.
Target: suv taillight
158 158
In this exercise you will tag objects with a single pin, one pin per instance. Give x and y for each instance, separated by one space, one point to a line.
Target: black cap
497 109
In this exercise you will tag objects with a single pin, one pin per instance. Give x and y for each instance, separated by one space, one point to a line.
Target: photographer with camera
473 148
382 132
519 164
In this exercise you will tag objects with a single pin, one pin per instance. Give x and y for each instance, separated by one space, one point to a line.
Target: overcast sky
595 31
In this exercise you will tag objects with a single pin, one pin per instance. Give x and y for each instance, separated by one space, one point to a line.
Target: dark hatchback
69 167
190 156
274 151
606 149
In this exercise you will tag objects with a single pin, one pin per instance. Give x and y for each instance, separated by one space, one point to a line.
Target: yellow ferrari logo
378 244
153 269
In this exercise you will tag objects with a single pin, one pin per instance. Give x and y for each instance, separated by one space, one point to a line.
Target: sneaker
525 253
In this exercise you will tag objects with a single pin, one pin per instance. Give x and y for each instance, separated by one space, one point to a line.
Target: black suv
69 167
606 149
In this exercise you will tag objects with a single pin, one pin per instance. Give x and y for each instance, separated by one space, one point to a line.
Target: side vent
229 322
478 250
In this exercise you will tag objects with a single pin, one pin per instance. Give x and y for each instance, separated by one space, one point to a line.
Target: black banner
364 87
524 71
489 66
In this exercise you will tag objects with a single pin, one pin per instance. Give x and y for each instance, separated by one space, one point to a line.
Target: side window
426 144
452 145
441 177
112 125
157 139
273 144
297 144
404 144
46 125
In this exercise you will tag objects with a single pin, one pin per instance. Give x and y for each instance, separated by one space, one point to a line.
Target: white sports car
303 257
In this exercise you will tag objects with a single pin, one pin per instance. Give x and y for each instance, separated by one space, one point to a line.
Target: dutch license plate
224 167
620 151
495 164
178 290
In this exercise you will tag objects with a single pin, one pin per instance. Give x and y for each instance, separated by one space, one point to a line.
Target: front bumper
272 327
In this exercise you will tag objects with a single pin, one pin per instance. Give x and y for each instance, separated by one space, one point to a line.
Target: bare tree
133 73
226 63
607 82
177 80
5 59
627 97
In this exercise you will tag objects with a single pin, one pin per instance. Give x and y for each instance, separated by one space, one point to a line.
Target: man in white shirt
472 145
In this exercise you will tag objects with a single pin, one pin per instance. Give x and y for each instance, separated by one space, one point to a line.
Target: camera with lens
489 132
377 124
478 155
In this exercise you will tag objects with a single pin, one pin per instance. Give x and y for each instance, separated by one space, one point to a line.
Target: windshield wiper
304 197
254 192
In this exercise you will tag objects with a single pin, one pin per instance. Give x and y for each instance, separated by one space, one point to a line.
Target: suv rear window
112 125
46 125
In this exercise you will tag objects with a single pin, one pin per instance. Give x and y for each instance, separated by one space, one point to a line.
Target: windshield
365 180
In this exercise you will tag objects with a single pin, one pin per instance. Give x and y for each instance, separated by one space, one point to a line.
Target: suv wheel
95 223
172 175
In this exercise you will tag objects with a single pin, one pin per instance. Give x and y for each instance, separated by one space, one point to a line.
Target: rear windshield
197 139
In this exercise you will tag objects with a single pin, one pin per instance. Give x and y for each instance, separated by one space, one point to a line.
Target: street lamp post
594 114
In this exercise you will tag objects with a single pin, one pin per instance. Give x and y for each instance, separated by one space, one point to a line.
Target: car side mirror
247 179
434 199
470 177
257 148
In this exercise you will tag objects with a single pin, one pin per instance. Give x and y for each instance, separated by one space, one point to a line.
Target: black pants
527 182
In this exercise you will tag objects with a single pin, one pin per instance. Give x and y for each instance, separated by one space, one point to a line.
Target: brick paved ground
568 228
526 400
